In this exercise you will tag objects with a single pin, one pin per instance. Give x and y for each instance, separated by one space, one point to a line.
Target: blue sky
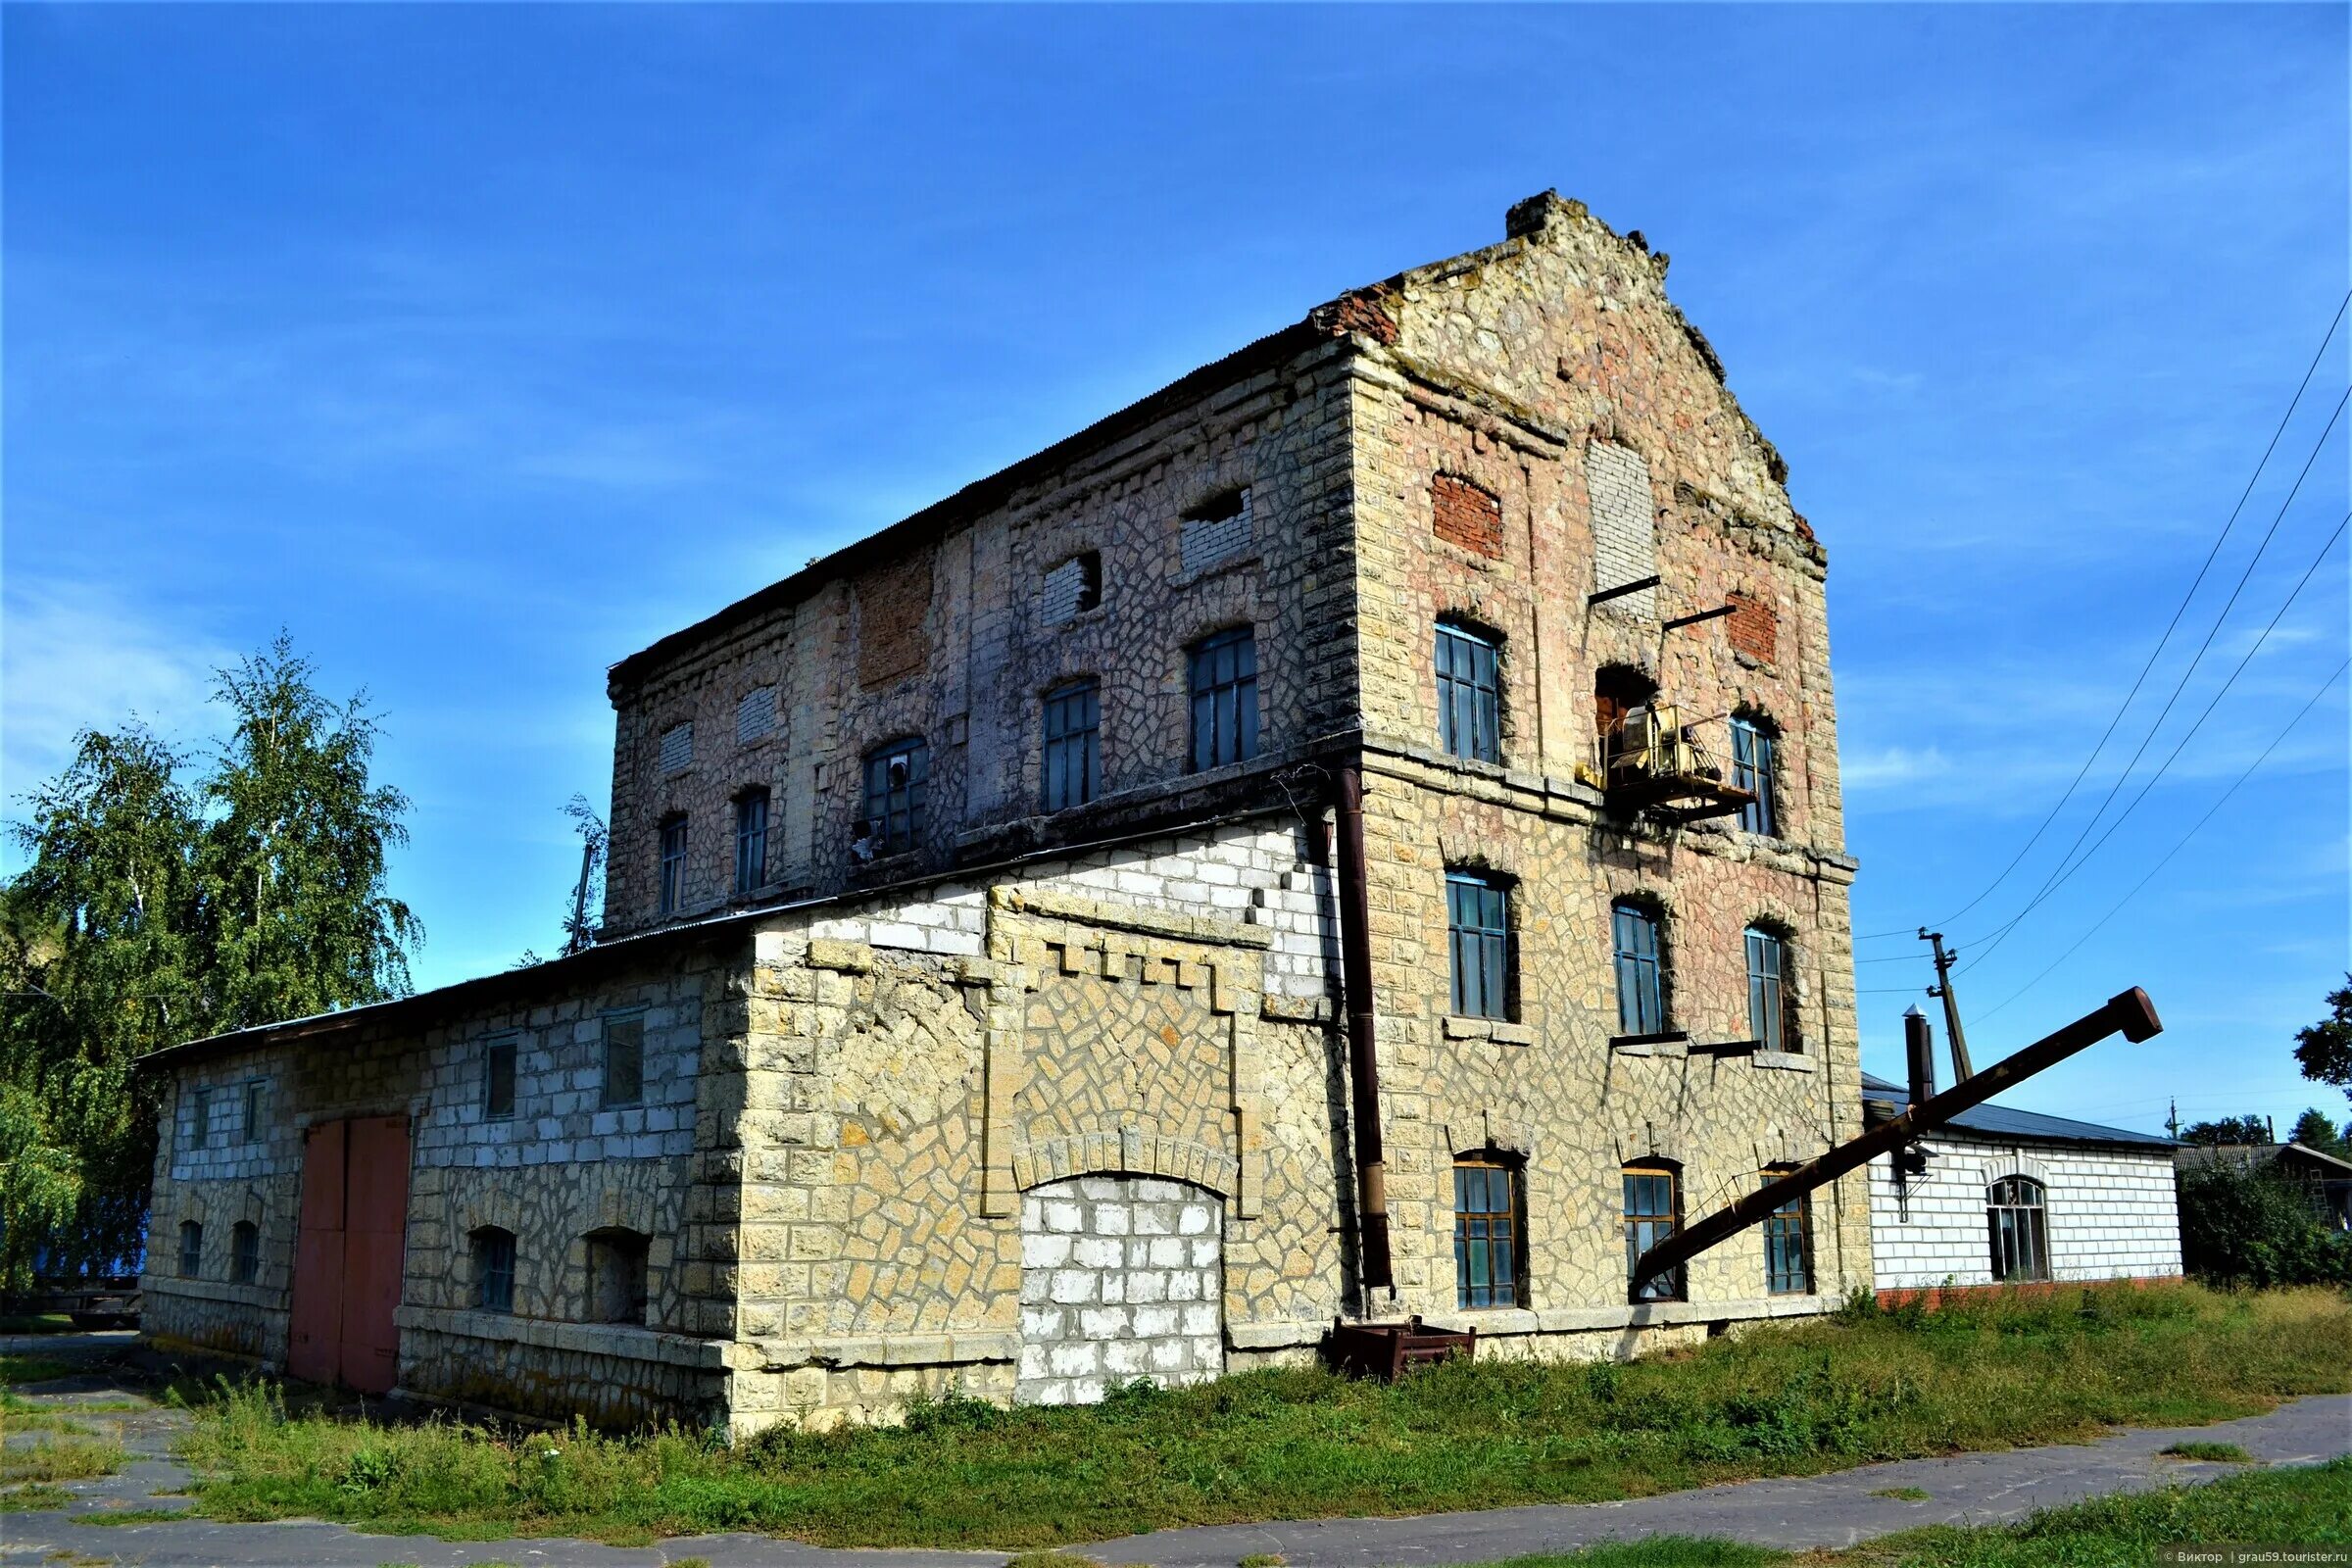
480 347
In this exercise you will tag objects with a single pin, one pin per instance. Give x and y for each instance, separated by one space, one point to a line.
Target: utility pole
1962 1072
2172 1118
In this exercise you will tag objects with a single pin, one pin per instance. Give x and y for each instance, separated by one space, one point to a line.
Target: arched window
191 1249
244 1251
2014 1212
896 780
617 1276
494 1269
1489 1231
1224 687
1640 953
1653 1211
1617 690
1469 692
1771 999
1753 742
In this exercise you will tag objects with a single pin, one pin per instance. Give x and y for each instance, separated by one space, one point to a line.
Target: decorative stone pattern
2110 1211
1121 1278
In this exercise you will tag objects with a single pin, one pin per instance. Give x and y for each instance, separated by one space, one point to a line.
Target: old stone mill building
1355 833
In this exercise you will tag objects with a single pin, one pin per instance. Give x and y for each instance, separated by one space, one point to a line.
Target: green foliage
156 908
2229 1130
2325 1049
2313 1130
2256 1227
1989 1372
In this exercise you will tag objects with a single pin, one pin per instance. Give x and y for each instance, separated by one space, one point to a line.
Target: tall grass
1985 1373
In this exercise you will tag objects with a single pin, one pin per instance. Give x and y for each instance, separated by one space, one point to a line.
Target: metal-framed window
625 1060
673 864
1224 687
1752 769
1653 1211
2015 1212
498 1077
1770 1003
1469 694
896 780
244 1251
750 841
1641 973
191 1249
494 1269
1489 1249
1788 1245
1478 938
1073 761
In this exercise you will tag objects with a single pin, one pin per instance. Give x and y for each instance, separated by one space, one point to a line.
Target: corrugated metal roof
1999 1121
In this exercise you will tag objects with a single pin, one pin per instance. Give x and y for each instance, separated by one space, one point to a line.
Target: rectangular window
625 1060
677 747
255 1102
244 1251
673 865
1488 1251
498 1078
1640 983
494 1270
1653 1211
750 841
1478 934
1469 695
1770 1010
191 1249
200 1117
616 1276
1751 770
1224 686
1788 1245
897 781
1073 758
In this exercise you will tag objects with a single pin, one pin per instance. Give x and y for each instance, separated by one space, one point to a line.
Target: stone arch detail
1127 1152
1122 1277
2016 1165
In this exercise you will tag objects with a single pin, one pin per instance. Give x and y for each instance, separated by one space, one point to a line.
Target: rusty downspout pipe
2130 1014
1363 1063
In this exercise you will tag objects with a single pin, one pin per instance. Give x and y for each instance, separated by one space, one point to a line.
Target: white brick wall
1625 525
2110 1211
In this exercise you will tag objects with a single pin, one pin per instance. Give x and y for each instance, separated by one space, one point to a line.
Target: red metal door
348 1259
374 1227
314 1352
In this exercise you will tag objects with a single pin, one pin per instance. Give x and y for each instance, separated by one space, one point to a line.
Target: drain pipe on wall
1363 1062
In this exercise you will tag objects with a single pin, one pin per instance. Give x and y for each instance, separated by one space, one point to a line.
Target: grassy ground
1989 1373
2304 1507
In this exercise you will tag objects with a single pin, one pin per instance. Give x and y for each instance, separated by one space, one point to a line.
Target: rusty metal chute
2131 1015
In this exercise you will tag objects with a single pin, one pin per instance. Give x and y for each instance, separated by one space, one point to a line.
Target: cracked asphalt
1829 1510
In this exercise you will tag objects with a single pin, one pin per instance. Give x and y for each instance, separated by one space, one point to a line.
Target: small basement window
617 1276
494 1269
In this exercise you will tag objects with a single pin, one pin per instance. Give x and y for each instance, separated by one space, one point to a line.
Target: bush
2255 1227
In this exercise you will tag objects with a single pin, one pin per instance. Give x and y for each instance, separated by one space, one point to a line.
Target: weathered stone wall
959 640
2110 1211
560 1166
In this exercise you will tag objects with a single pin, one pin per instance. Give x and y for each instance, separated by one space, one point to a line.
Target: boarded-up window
1753 627
1070 589
1461 513
755 714
1624 526
1217 532
677 748
893 603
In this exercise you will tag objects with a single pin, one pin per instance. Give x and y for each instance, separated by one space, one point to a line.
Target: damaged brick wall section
893 605
1462 513
1754 630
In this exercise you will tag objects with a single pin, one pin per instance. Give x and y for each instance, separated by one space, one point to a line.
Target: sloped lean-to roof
1999 1121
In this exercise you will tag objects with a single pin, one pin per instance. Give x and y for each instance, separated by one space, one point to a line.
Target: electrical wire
2223 800
2172 626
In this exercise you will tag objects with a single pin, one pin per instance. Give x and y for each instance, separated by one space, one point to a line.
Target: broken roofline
1335 322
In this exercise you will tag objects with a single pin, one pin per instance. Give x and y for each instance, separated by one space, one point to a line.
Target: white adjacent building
2013 1196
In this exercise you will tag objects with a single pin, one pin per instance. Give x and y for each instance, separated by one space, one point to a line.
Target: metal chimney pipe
1918 1045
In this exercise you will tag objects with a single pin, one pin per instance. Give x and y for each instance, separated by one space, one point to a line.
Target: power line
2066 872
2179 610
2061 870
2218 804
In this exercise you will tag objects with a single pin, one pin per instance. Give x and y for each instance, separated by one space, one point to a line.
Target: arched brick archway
1121 1277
